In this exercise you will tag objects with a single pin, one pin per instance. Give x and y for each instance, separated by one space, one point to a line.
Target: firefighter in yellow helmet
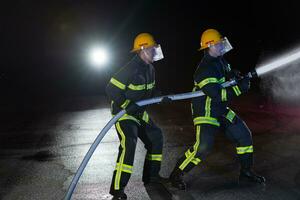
132 83
211 112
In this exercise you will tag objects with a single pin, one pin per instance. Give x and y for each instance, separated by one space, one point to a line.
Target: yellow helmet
143 40
209 37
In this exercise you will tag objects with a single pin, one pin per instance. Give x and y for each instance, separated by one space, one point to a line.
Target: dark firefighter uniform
132 83
210 114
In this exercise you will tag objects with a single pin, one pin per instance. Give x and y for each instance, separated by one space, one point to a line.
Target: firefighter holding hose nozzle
211 114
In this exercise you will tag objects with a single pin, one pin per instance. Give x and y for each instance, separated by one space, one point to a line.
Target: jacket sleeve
211 86
117 86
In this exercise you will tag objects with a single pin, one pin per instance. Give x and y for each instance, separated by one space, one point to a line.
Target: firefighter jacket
134 82
210 74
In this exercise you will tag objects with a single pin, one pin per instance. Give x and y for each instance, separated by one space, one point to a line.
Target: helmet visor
223 46
158 54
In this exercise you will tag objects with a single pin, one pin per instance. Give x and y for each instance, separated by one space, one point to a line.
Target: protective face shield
222 47
154 53
158 54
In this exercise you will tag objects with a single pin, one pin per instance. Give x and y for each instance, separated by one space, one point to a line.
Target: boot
248 175
156 180
176 179
119 195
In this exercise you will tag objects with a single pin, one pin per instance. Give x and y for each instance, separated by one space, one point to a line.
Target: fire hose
155 100
261 70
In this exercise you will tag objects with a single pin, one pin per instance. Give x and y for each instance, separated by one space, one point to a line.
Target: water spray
275 64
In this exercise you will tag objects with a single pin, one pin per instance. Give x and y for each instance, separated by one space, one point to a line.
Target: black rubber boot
119 195
176 179
156 179
248 175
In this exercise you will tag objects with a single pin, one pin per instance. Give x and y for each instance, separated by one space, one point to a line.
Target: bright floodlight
98 57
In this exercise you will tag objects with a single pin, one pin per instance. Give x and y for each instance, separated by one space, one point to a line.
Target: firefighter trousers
236 130
128 132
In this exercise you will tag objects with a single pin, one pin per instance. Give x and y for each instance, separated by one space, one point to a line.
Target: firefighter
211 114
132 83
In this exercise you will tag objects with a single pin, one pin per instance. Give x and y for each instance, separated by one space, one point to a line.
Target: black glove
235 74
244 84
133 109
166 100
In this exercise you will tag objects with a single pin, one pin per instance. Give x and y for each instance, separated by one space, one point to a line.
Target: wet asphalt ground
42 145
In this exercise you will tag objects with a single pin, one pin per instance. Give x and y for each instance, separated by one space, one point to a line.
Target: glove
166 100
235 74
133 109
244 84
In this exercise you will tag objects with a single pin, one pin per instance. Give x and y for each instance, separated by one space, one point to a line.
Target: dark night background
44 43
52 101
